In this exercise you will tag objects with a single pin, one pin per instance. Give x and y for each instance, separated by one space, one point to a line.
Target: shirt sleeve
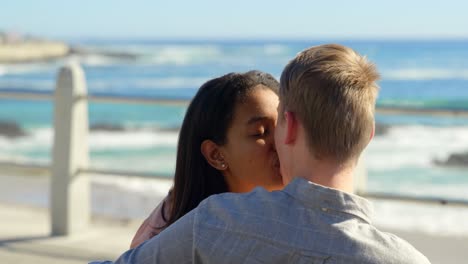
173 245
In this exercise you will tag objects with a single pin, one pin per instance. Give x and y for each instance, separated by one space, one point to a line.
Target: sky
244 19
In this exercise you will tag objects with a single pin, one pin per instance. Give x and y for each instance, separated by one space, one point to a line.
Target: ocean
423 74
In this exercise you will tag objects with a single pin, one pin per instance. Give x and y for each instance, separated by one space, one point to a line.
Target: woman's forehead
259 105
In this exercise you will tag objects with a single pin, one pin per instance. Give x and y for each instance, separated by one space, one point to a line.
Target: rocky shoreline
11 129
454 160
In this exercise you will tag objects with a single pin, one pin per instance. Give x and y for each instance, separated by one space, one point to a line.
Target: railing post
360 176
70 190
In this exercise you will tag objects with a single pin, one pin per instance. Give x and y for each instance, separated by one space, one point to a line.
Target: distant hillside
29 51
16 47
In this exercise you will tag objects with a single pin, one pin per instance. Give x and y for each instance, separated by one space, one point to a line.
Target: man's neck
328 174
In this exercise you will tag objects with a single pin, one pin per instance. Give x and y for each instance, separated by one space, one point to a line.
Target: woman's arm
152 225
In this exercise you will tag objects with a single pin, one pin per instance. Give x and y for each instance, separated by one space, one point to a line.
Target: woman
225 144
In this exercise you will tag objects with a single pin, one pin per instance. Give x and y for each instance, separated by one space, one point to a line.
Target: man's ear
372 132
213 155
291 127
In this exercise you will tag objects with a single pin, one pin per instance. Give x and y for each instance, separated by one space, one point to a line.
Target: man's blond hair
332 90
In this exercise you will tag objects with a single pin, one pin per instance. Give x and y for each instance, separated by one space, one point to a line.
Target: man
325 120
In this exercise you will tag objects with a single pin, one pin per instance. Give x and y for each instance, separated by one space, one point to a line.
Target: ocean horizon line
260 40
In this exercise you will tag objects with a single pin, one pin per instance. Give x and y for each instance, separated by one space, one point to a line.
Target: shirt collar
328 198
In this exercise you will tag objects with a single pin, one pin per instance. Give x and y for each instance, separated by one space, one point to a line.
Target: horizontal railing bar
184 101
415 199
10 164
136 174
97 98
131 174
26 95
138 100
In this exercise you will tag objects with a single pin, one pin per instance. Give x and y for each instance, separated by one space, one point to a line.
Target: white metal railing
70 204
9 164
385 110
96 98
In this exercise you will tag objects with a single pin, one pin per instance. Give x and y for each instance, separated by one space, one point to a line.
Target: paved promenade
24 238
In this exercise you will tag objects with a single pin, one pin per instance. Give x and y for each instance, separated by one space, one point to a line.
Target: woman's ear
213 155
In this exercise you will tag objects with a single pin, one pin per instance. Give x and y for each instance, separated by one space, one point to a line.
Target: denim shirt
303 223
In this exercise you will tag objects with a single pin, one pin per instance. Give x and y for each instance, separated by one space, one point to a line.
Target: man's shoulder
399 249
